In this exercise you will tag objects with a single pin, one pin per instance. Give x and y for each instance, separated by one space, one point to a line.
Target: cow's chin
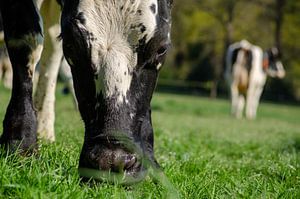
124 178
117 160
114 167
281 74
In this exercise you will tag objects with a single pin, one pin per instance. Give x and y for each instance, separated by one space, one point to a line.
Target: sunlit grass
204 152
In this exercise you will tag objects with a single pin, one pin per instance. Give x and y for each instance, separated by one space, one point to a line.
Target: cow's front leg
240 106
44 98
24 40
234 99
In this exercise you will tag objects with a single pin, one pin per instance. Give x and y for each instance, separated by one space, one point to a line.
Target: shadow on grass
291 145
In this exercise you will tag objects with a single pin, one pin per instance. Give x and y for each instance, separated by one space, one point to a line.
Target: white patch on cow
245 44
132 115
257 72
115 27
158 66
38 3
280 69
34 58
45 96
148 19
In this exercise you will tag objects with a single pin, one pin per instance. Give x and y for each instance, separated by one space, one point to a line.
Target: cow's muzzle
115 157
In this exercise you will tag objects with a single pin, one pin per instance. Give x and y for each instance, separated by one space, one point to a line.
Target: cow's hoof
114 166
22 147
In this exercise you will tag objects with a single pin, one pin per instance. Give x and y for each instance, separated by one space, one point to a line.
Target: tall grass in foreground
204 152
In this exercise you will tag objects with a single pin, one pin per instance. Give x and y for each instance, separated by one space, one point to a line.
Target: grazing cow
247 67
115 49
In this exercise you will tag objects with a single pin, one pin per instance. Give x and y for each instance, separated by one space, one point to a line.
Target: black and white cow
247 67
115 49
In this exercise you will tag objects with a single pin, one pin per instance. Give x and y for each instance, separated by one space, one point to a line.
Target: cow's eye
162 51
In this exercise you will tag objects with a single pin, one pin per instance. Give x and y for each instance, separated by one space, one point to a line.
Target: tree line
203 29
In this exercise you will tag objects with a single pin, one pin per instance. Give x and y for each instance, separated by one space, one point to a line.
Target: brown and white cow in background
247 68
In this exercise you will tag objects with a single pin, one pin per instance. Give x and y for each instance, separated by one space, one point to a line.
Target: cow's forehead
124 16
115 29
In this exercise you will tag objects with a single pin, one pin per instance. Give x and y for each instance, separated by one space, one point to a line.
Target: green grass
204 152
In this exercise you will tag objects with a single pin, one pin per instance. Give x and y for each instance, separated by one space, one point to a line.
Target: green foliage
204 152
201 30
291 41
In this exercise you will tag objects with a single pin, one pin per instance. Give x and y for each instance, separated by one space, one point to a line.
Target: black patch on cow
234 55
248 54
80 17
153 8
91 37
273 56
143 28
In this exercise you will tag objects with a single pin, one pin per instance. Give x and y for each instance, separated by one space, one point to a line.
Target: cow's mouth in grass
117 160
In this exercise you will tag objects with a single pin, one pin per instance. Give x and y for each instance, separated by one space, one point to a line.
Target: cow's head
116 49
272 63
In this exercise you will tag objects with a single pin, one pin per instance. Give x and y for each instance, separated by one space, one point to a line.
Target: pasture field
204 152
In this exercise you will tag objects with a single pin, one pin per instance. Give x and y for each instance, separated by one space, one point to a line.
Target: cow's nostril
130 161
